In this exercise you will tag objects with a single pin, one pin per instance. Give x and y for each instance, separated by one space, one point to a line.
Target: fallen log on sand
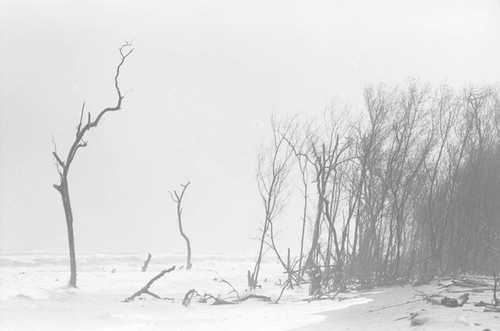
145 289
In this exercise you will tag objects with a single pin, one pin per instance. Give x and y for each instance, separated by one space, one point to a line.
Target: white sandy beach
33 295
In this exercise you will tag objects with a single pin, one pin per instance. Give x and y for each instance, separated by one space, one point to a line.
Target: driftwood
469 283
474 290
187 298
417 320
445 301
394 305
146 263
480 304
222 280
219 301
145 289
255 296
455 302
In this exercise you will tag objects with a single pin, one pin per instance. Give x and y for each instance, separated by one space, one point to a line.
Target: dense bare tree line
411 188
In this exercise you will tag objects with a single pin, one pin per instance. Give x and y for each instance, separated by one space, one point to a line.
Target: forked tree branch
145 289
125 50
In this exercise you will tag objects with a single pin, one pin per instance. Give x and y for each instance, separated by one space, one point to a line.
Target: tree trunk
68 213
304 219
189 265
311 258
255 274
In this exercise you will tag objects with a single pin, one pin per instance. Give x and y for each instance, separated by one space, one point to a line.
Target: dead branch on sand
145 289
222 280
188 297
218 300
395 305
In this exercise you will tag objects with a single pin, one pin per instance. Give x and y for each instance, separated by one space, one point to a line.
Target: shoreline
391 308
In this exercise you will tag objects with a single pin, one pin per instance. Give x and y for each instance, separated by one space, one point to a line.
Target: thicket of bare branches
412 188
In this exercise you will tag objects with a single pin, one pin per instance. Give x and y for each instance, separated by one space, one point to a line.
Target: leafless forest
408 191
404 191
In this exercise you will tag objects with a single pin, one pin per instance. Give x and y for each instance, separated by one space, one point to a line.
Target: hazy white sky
201 85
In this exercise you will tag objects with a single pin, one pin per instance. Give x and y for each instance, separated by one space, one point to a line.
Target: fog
203 81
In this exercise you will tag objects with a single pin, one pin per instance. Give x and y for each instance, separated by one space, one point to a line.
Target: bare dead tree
146 263
368 145
442 124
63 166
408 148
273 168
368 191
326 152
298 144
177 199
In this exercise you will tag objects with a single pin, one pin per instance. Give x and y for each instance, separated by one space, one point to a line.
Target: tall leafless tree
327 149
63 166
273 168
177 199
298 143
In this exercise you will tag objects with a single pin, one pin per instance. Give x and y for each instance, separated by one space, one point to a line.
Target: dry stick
145 289
146 263
255 296
282 290
187 298
395 305
322 296
218 301
240 299
288 283
222 280
291 277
